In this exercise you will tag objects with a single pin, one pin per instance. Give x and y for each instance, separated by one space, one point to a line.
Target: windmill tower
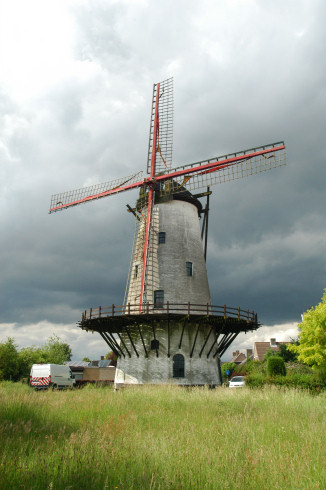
168 330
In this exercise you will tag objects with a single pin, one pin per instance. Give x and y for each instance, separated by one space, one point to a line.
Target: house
260 348
257 353
240 358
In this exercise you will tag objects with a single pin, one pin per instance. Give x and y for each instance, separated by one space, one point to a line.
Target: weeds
161 437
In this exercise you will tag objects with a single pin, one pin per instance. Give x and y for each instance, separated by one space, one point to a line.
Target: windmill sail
164 136
97 191
151 279
223 168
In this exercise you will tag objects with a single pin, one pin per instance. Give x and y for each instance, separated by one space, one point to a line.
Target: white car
237 382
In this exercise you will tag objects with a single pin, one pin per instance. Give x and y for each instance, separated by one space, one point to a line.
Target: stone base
120 386
159 367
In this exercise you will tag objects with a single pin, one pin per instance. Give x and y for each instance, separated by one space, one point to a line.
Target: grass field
164 437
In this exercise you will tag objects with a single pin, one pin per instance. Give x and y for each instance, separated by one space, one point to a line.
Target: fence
169 308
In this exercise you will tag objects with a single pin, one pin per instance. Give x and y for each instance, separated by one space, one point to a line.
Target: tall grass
161 437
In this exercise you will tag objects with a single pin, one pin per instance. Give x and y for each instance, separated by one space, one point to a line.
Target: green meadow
162 437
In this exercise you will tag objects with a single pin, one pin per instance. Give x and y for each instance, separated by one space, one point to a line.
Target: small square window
161 237
189 268
136 272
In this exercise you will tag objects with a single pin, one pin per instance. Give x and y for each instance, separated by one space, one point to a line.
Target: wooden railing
170 308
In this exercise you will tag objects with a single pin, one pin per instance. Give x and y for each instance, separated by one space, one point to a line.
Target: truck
55 376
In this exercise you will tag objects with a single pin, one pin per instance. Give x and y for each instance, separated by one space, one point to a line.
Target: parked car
45 376
237 382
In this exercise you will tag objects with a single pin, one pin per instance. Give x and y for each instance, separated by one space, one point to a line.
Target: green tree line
312 335
16 364
302 363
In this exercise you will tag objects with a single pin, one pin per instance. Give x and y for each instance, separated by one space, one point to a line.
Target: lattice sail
223 169
134 282
164 142
97 191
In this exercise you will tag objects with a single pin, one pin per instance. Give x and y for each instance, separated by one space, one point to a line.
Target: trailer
97 375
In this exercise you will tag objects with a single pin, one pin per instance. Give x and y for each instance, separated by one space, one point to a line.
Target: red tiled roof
260 349
238 358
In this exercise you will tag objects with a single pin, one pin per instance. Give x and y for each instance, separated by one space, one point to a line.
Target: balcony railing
170 308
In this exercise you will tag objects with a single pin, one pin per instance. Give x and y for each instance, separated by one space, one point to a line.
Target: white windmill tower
167 330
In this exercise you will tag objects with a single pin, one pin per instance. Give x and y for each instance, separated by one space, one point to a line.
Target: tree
287 354
283 351
312 336
53 352
56 351
86 359
9 363
14 364
111 356
29 356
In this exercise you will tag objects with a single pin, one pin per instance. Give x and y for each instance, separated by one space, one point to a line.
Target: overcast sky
76 83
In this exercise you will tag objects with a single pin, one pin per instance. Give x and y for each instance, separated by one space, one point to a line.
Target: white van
45 376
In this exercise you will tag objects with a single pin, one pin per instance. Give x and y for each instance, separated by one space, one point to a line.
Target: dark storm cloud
246 75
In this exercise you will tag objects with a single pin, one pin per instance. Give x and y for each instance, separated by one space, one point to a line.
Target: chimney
102 358
249 352
234 354
273 343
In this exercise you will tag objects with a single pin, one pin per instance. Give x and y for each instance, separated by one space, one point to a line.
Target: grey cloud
243 77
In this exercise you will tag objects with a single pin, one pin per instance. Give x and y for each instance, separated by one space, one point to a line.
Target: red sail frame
206 168
150 199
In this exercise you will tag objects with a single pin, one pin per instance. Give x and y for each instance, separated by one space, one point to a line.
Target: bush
249 367
240 370
320 376
255 380
276 366
299 381
256 367
298 368
298 376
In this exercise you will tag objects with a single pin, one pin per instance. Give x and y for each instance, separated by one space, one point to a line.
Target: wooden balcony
170 309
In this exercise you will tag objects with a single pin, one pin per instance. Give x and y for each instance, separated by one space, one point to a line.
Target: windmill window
189 268
155 344
158 298
161 237
136 271
178 366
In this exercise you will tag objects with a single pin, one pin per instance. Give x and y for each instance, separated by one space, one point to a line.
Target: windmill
167 329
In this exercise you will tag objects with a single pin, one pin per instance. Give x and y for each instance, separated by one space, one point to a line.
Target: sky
76 79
